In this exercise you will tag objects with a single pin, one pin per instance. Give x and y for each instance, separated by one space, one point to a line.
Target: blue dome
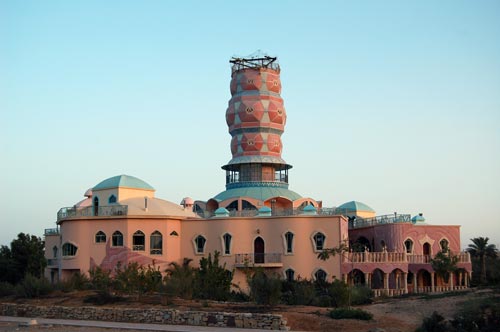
123 181
355 206
418 218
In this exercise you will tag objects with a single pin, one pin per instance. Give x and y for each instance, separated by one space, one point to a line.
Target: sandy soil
392 315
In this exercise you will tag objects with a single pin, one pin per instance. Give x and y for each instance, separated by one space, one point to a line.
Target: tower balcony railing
258 260
91 211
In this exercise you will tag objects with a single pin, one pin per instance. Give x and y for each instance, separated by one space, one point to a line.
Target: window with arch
320 275
138 241
156 243
409 246
227 243
112 199
69 249
289 242
54 251
117 239
290 275
100 237
199 242
319 241
96 206
444 244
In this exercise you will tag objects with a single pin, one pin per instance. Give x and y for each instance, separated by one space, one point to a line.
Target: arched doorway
426 249
362 244
357 277
258 250
96 206
424 279
377 279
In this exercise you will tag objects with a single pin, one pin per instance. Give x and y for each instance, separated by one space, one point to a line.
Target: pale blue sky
392 103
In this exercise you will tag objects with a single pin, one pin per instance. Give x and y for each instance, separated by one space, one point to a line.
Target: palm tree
479 248
181 278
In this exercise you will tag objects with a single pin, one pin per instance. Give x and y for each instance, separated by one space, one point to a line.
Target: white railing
395 257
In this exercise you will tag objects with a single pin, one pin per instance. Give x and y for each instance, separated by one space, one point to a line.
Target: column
452 282
432 282
460 283
344 278
405 282
367 280
386 283
415 286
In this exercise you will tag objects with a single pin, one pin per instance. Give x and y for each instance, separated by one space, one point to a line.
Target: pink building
257 221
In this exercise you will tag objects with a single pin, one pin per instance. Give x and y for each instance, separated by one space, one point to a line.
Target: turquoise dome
418 218
123 181
355 206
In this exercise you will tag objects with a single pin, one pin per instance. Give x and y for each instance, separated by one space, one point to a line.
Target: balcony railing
51 231
379 220
90 211
258 259
395 257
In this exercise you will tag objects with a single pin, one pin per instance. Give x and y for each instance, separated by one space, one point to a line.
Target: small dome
186 201
355 206
221 212
265 211
124 181
309 210
88 193
418 218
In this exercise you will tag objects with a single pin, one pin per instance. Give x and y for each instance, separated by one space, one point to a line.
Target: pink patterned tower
256 118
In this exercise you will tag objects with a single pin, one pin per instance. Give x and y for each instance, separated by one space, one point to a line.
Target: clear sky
392 103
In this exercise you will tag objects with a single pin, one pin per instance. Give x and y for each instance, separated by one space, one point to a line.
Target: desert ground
391 315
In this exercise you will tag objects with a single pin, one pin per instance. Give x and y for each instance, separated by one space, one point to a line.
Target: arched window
319 241
117 239
409 246
227 243
69 249
246 205
100 237
290 275
54 251
138 241
200 244
289 242
233 206
96 206
156 243
112 199
444 245
320 275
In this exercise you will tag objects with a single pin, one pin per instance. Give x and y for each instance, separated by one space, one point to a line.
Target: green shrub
361 295
478 315
103 297
32 286
6 289
300 292
339 293
212 281
265 289
434 323
345 313
100 279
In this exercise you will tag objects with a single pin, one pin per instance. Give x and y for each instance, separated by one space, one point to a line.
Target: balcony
379 220
51 231
90 211
395 257
258 260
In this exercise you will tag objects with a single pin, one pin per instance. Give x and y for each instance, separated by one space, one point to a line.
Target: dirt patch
402 314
